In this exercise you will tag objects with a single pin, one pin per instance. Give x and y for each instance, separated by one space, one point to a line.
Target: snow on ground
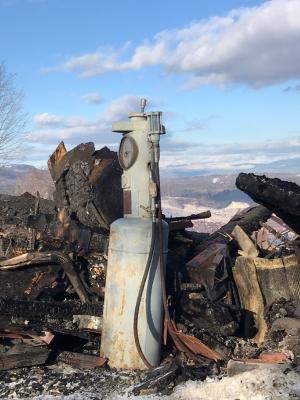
181 206
272 384
254 385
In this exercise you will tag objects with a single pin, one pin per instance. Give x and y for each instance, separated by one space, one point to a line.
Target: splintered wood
261 282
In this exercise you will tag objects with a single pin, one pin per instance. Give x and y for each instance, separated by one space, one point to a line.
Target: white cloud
256 46
267 148
47 119
52 128
92 98
188 156
104 60
49 129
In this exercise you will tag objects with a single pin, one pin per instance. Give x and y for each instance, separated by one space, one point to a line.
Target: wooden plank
201 269
26 354
245 243
292 270
272 279
244 273
81 360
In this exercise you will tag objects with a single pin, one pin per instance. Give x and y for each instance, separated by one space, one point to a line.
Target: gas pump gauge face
128 152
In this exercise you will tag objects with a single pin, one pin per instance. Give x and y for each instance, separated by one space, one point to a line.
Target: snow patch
237 205
255 385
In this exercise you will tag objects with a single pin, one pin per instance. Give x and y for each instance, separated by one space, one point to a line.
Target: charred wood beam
29 259
163 378
180 225
31 310
88 185
249 220
202 215
29 282
25 354
280 197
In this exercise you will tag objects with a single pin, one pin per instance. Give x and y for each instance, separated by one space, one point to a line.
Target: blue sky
225 73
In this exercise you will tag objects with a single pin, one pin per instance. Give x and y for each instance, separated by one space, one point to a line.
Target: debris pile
233 295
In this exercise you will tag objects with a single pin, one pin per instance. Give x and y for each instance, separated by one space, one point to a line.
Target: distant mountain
287 166
280 166
20 178
216 191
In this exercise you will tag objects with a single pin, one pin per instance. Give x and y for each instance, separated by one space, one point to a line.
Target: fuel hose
170 325
139 298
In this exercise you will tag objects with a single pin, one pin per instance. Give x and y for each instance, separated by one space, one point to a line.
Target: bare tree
12 118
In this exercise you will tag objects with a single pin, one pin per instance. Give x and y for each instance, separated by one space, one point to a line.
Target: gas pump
133 306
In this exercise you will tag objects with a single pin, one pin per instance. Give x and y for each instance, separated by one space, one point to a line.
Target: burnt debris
280 197
233 296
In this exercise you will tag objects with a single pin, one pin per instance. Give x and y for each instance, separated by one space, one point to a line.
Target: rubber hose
139 298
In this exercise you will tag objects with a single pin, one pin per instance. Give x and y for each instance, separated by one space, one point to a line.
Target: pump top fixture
143 105
138 151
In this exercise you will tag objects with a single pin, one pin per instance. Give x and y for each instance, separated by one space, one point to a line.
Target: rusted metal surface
127 260
274 357
199 348
127 203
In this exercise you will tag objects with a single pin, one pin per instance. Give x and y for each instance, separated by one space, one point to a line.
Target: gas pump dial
128 152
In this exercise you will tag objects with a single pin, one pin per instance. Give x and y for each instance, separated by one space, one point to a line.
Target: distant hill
288 167
20 178
216 191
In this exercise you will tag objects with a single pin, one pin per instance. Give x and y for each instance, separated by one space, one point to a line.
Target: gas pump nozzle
156 129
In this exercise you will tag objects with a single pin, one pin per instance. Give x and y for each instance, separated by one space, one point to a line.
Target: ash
61 381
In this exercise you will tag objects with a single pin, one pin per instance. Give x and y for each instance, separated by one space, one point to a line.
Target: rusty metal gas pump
133 307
